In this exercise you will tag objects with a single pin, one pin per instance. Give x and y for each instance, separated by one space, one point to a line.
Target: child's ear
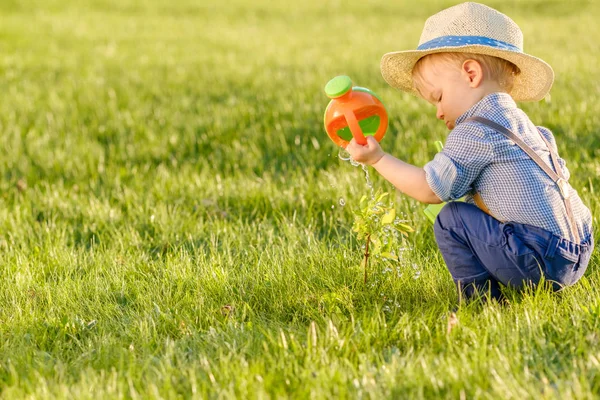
473 72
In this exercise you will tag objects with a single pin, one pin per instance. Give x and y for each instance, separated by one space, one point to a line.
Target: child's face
447 87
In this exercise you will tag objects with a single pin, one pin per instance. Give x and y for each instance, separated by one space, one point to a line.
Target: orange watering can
353 112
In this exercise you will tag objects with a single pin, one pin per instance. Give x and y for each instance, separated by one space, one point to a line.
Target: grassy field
171 223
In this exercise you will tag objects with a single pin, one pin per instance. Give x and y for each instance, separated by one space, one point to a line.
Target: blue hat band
457 41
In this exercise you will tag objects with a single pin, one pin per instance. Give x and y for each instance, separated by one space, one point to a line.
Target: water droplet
344 155
368 178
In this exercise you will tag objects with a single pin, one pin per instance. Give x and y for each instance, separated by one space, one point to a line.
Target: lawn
175 223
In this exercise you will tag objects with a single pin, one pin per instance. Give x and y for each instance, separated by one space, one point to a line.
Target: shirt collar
492 101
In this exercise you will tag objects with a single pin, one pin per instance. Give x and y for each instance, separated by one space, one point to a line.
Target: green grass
170 224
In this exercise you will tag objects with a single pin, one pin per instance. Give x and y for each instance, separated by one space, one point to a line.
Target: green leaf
382 196
389 217
406 228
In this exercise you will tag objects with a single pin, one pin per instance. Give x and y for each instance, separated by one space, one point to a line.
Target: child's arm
405 177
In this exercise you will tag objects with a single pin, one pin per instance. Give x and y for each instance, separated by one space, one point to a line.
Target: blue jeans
482 252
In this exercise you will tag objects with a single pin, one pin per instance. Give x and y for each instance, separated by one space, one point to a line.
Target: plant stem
367 256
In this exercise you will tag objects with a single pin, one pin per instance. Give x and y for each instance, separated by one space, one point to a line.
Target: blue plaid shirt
476 158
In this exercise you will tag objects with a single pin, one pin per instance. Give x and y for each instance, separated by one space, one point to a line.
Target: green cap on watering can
338 86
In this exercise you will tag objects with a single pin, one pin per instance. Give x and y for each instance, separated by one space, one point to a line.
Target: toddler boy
521 219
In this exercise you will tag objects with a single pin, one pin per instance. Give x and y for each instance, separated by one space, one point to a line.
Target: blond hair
497 69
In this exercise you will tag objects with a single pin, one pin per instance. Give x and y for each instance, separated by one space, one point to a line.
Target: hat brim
532 84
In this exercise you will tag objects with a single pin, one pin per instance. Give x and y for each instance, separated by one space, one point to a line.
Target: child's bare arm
405 177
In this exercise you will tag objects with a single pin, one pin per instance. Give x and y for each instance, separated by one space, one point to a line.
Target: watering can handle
355 127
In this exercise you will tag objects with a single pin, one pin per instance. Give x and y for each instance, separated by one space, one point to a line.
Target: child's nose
439 114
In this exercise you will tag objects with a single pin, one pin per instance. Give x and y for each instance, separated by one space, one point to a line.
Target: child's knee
453 213
446 217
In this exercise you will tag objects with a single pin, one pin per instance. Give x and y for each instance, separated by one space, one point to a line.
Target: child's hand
368 154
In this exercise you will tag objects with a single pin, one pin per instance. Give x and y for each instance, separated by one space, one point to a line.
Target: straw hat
472 28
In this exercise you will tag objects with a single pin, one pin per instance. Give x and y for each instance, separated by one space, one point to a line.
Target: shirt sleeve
451 173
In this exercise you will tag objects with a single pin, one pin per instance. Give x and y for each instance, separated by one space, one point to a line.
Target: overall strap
556 175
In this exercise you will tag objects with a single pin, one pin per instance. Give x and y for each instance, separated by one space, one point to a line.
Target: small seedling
376 223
